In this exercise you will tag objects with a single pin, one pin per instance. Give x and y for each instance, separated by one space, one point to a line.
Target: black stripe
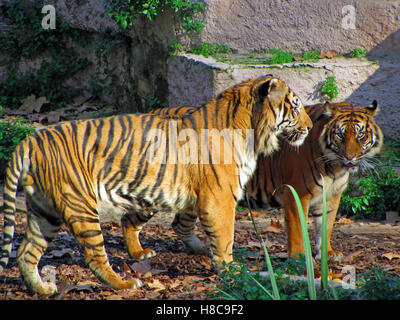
86 137
110 137
89 233
305 184
149 123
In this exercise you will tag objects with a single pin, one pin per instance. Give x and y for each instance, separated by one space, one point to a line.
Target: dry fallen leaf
156 285
60 253
31 104
253 244
349 258
391 255
175 284
345 220
256 213
113 297
144 269
328 54
275 226
52 117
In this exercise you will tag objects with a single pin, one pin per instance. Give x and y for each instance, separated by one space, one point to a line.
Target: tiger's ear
265 88
373 109
330 109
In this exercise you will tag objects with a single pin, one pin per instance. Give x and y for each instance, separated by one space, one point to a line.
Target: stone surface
300 25
245 26
194 80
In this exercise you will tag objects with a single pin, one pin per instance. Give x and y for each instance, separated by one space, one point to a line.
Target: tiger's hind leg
184 225
39 232
132 223
332 208
87 231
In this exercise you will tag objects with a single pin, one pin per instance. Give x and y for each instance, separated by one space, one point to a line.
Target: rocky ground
175 273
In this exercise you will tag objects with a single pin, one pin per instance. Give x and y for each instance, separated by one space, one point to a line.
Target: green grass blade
226 294
272 296
324 242
275 289
307 247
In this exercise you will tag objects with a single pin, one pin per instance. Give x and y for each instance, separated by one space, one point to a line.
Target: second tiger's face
352 137
296 122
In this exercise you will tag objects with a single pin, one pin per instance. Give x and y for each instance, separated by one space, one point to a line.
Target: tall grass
307 247
275 294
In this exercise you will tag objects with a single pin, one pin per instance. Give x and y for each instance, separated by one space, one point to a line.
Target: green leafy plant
375 195
124 12
210 49
11 134
280 57
378 285
176 48
237 282
377 191
358 53
27 39
312 55
330 87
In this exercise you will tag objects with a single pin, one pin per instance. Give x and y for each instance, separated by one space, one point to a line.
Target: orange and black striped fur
136 165
344 138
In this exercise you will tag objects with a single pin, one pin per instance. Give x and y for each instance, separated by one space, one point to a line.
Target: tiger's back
75 159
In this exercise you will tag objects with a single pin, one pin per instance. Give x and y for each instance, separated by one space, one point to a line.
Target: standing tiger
134 166
344 138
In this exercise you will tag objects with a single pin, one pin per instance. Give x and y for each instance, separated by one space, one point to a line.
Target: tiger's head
351 137
283 109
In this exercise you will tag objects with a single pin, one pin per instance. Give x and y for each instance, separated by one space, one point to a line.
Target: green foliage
358 53
280 57
372 196
124 12
27 39
377 195
210 49
312 55
176 48
330 87
11 134
106 78
236 282
377 285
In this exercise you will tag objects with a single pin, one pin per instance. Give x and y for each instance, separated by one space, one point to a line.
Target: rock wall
194 80
146 74
300 25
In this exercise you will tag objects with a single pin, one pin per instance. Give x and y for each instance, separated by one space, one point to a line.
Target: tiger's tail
14 172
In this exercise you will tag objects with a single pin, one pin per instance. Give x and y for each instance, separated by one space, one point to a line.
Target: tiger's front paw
47 289
333 255
143 254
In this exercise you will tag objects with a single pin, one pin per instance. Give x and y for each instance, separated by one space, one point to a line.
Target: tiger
135 165
344 138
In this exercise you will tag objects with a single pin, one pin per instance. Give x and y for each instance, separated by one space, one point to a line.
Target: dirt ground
175 273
